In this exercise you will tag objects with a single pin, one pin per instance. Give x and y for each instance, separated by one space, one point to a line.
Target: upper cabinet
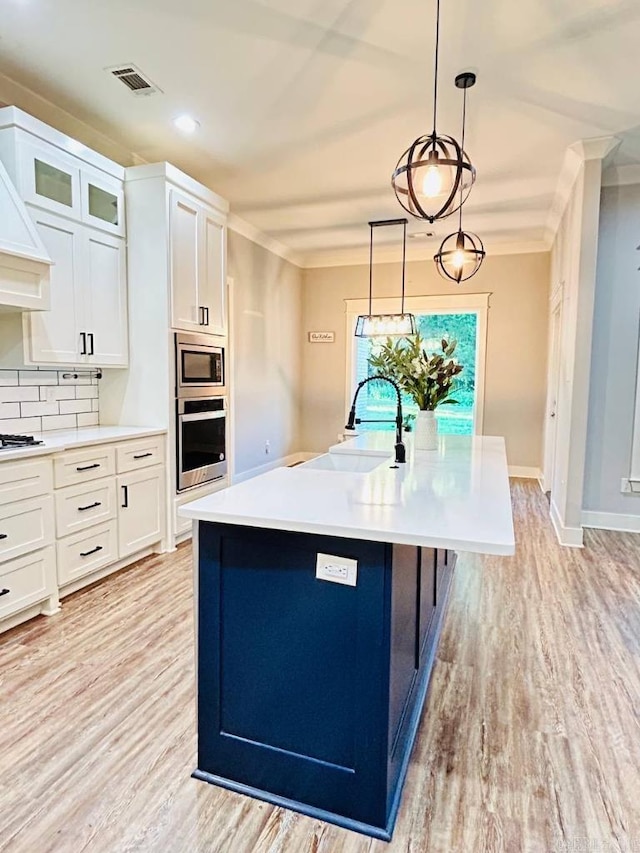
75 198
177 245
198 265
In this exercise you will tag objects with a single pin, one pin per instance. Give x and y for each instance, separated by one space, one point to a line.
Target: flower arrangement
429 379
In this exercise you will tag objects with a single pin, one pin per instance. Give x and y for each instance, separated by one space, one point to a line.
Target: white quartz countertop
67 439
455 497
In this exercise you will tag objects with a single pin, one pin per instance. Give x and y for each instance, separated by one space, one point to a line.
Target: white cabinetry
27 563
110 504
141 513
76 199
198 258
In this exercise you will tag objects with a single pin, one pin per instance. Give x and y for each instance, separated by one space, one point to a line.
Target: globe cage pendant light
461 254
386 325
434 176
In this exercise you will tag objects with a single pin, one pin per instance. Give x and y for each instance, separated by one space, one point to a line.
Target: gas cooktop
14 442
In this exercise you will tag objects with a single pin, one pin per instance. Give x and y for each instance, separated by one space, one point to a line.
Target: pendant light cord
464 123
435 75
370 269
404 257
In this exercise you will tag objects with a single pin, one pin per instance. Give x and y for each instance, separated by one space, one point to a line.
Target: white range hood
24 261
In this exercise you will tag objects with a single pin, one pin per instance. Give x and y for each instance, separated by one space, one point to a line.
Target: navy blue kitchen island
310 692
321 595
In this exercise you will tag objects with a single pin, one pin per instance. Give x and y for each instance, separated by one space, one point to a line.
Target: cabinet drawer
25 526
81 506
83 553
26 581
81 466
142 453
25 479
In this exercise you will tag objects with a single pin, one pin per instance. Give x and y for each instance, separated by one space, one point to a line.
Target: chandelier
386 325
461 254
434 175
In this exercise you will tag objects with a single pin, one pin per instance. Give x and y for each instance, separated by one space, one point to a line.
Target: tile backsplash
37 400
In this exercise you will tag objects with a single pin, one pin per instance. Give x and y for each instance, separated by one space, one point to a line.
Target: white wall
574 257
516 344
267 351
614 356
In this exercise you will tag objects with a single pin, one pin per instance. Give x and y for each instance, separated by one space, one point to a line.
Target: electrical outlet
50 394
267 447
336 569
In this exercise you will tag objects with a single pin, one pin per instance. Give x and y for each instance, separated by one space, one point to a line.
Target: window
460 317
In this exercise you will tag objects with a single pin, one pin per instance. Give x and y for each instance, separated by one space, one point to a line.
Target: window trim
462 303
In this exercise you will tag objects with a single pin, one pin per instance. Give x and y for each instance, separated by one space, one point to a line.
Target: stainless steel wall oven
201 440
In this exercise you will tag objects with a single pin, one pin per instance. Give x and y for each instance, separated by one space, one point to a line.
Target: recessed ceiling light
418 235
186 124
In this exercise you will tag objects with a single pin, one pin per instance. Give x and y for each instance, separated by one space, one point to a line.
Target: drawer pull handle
91 506
4 535
5 591
142 455
125 497
88 467
92 551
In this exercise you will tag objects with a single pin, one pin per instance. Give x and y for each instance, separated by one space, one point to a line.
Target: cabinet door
50 179
105 297
184 226
141 513
103 202
212 271
53 337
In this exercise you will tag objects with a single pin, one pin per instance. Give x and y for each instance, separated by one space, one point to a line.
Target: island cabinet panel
310 691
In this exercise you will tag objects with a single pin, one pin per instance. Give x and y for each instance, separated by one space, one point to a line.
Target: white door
106 299
141 514
54 336
212 272
186 310
553 388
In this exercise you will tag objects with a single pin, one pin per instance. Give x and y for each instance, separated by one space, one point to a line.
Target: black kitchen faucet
401 454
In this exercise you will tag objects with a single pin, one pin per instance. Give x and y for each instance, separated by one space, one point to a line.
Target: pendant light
461 254
386 325
434 176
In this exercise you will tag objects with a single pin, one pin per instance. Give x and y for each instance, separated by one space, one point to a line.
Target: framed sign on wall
322 337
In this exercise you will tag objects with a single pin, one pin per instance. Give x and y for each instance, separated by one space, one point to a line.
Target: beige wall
516 344
267 318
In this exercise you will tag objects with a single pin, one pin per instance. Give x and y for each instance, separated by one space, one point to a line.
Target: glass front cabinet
75 198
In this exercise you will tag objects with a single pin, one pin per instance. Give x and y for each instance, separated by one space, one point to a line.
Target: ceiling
306 105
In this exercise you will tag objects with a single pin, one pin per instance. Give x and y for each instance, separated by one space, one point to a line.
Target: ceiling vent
134 80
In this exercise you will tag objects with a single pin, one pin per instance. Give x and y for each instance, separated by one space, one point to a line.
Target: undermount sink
346 462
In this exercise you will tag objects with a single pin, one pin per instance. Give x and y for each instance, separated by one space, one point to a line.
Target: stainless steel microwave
200 366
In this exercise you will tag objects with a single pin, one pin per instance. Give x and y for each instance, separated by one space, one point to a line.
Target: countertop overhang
456 497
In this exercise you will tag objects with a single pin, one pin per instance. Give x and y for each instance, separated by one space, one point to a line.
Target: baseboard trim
524 472
282 462
611 521
570 537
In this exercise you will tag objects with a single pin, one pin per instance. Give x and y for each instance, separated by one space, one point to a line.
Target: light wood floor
530 740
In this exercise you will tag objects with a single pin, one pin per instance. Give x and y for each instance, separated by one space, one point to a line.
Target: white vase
426 431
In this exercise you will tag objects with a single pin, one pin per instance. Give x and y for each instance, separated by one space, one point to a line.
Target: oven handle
203 416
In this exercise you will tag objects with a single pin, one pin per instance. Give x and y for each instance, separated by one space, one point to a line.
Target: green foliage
429 379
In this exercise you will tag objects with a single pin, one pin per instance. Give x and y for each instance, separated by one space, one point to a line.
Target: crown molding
352 257
246 229
575 156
